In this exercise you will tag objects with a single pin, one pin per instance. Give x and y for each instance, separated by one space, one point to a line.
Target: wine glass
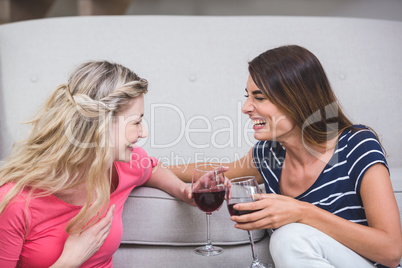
208 193
244 190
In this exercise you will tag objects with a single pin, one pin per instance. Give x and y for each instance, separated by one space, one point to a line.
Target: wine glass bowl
244 190
208 201
208 193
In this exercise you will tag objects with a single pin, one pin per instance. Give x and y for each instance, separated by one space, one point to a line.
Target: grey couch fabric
171 229
197 70
171 222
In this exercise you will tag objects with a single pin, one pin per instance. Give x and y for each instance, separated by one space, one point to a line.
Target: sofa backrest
197 70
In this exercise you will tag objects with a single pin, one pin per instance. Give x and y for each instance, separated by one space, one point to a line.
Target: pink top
33 234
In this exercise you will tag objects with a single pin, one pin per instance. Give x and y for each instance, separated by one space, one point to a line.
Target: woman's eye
256 98
138 123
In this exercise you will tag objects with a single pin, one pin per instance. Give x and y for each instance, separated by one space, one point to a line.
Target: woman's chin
263 136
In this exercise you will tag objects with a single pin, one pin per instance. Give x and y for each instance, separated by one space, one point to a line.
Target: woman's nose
144 131
247 107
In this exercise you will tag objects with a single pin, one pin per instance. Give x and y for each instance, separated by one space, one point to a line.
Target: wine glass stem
208 238
250 236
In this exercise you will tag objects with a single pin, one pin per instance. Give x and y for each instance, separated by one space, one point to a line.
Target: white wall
375 9
197 69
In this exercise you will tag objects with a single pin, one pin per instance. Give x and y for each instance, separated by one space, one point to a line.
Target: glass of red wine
244 190
208 193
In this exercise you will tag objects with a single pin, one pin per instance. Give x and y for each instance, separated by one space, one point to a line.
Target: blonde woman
62 190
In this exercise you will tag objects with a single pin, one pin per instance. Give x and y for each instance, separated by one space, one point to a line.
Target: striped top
337 188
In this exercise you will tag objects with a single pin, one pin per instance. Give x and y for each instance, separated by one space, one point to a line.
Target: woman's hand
271 211
209 179
165 180
188 195
78 248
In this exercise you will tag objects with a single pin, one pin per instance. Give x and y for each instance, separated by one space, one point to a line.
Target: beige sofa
197 69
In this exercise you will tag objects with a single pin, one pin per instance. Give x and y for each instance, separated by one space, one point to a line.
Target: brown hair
292 78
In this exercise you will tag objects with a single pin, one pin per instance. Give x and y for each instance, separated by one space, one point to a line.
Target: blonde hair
69 141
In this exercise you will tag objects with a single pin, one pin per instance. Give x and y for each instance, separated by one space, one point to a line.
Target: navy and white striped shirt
337 188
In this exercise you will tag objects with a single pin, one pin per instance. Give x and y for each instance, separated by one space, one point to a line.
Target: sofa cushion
153 217
144 256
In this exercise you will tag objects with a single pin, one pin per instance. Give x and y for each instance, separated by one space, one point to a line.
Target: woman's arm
164 179
242 167
381 241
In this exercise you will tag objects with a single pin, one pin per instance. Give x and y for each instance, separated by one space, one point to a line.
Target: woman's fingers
81 246
224 169
272 211
105 228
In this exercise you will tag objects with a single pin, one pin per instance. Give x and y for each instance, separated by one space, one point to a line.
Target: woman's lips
255 127
130 146
258 123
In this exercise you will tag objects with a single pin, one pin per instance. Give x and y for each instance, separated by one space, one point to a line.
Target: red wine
209 200
235 212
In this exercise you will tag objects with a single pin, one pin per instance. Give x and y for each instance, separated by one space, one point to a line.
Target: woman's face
128 128
269 122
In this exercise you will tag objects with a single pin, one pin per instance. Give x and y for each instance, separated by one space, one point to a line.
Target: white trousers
299 245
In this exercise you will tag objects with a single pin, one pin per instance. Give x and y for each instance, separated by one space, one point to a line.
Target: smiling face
270 123
128 128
